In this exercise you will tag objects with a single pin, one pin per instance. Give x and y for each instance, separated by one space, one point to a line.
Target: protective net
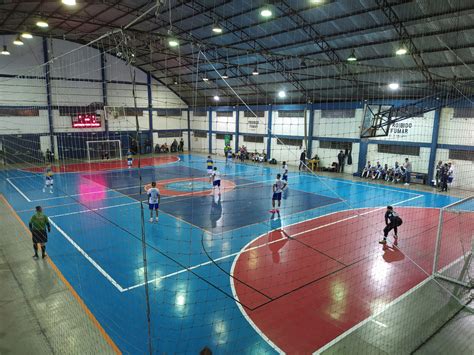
238 259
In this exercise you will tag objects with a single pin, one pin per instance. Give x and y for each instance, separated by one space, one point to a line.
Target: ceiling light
352 57
394 86
225 76
266 12
18 41
402 50
173 42
5 51
175 82
205 78
255 71
216 28
316 1
216 98
42 24
26 35
281 94
69 2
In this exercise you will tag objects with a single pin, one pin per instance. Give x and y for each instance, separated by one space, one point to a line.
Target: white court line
92 261
95 209
18 190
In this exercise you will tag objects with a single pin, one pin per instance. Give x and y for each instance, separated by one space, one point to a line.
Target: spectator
366 170
444 173
157 148
408 169
181 145
450 174
302 160
49 156
397 173
377 170
164 148
438 173
147 146
174 146
341 161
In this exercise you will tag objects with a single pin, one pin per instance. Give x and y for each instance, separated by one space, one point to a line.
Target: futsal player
48 179
39 222
153 201
284 168
392 221
129 159
210 165
216 180
278 188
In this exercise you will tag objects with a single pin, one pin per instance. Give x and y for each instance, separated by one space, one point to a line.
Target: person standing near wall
302 160
438 173
39 222
408 169
341 157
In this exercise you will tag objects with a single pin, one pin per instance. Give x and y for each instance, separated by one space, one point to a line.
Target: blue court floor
96 242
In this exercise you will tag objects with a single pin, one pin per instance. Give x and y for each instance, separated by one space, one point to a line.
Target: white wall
463 170
199 122
420 163
328 156
24 125
255 125
337 127
287 126
415 129
459 131
223 123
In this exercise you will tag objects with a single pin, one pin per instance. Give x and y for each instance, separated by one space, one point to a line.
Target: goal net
104 150
455 244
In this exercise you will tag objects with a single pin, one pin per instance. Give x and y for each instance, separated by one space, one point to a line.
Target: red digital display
86 120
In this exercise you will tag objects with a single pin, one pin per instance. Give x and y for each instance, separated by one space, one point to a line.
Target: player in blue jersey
278 188
154 198
129 159
216 180
210 165
48 179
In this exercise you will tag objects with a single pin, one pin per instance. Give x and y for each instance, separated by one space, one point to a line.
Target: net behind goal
104 150
455 243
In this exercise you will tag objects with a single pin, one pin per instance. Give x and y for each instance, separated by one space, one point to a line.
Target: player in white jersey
153 201
284 169
129 159
278 188
216 180
48 179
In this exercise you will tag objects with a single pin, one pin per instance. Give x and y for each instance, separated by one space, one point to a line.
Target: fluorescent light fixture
205 78
255 71
266 12
26 35
281 94
225 76
18 41
175 82
216 28
316 1
216 98
352 57
5 51
402 50
394 86
42 24
69 2
173 42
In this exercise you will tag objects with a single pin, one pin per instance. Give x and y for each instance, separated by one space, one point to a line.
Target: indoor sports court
222 177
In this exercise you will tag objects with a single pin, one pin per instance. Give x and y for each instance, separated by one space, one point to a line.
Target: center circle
189 186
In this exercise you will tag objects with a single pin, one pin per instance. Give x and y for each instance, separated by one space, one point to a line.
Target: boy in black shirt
392 221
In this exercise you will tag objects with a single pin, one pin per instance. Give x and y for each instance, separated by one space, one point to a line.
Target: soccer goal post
104 150
455 244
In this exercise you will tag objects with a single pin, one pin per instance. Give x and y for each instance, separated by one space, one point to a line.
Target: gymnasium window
169 112
337 113
254 113
200 134
335 145
290 141
222 136
253 139
200 113
461 154
298 113
224 114
24 112
398 149
463 112
170 134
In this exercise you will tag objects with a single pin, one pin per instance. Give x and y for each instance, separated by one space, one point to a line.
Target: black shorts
40 236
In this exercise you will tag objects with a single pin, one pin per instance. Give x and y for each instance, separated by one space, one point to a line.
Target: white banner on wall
252 124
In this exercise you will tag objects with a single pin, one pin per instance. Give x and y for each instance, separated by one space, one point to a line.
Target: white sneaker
156 219
50 191
44 190
151 220
406 184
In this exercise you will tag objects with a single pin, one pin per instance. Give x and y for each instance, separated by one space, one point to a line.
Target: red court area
305 284
106 165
